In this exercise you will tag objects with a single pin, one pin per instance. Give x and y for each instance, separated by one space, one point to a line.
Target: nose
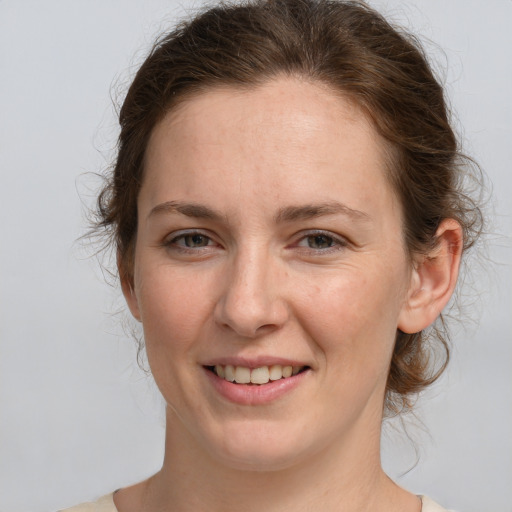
252 302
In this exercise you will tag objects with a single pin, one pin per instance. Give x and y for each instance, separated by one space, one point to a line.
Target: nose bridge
251 303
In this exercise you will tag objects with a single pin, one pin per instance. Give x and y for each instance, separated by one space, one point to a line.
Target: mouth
255 376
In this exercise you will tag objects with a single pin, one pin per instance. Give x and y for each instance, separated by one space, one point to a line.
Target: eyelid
170 240
340 242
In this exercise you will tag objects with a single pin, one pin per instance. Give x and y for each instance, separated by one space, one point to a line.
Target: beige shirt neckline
106 504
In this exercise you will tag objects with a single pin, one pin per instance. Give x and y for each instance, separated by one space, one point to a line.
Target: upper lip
253 362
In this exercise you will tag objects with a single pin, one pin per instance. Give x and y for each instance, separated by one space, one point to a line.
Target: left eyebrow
285 214
311 211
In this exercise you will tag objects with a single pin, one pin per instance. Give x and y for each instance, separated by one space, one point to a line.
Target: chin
258 448
257 460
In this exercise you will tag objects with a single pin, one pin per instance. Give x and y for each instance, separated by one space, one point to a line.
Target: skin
263 276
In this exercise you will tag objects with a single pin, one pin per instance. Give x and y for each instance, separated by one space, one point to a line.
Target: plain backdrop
77 417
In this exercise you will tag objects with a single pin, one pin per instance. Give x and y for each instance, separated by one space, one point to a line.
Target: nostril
249 307
249 330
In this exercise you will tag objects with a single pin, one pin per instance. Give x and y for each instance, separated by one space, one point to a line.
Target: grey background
77 417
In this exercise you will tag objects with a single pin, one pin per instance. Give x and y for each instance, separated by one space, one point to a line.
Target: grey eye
195 240
319 241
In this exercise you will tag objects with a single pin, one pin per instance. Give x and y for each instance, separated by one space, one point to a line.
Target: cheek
175 304
353 316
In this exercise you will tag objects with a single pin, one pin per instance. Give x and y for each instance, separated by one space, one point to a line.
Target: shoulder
429 505
104 504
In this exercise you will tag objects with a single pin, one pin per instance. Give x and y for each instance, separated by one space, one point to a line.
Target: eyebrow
195 210
311 211
284 215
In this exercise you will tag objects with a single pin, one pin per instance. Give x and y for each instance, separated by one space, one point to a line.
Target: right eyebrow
195 210
287 214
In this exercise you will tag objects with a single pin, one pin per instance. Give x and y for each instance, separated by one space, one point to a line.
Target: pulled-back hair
357 53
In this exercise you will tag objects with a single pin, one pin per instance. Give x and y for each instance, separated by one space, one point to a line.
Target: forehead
289 139
288 103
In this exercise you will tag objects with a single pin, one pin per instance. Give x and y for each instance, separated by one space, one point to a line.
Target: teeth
229 373
242 375
287 371
262 375
219 370
276 372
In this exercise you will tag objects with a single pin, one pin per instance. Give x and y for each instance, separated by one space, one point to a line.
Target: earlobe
128 291
131 298
433 279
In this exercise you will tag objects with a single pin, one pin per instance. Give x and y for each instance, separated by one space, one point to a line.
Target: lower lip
255 394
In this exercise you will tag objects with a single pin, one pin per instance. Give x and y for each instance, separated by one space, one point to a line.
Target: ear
128 288
433 279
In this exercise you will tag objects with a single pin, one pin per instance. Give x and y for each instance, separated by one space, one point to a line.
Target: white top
106 504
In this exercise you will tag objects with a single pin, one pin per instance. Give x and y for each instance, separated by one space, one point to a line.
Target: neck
345 477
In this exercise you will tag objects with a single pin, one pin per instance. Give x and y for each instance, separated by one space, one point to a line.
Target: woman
288 224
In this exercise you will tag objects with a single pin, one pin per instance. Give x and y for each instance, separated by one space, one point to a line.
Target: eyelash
336 243
173 242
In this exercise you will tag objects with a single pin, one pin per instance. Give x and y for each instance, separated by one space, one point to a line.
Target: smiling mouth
258 376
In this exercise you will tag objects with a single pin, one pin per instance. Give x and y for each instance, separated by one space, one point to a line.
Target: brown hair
354 50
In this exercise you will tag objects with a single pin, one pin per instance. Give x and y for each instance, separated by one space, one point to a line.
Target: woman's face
268 237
